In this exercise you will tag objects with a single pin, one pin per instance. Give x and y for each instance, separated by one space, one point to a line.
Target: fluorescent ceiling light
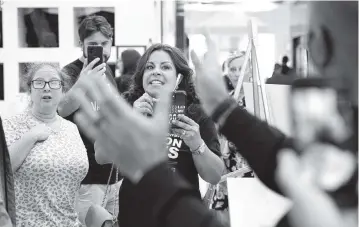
258 6
244 6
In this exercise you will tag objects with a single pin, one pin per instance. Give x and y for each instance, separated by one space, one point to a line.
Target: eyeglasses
53 84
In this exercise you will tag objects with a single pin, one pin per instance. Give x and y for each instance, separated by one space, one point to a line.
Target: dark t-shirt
97 174
179 159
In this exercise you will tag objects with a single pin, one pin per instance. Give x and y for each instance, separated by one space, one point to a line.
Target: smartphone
179 105
322 124
94 52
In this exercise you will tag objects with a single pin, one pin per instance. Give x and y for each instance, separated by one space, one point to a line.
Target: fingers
211 46
195 60
85 64
162 108
146 98
187 120
92 64
101 67
112 107
144 107
182 125
86 107
179 132
146 111
89 87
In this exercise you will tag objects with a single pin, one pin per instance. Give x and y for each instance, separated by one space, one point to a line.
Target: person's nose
157 71
47 87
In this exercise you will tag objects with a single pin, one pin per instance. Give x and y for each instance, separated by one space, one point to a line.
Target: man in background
93 30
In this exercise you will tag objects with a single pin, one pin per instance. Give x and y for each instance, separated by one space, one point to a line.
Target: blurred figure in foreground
281 170
127 66
7 194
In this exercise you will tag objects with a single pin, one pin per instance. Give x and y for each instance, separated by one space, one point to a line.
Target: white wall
136 21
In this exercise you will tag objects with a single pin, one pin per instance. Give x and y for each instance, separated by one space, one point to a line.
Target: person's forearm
257 142
209 166
68 104
20 149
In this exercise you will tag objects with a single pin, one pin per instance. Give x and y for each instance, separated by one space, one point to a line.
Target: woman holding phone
193 146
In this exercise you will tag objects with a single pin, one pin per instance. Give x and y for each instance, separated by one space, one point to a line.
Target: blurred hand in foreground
128 139
210 86
299 179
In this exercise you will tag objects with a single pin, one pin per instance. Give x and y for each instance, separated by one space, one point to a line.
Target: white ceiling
232 16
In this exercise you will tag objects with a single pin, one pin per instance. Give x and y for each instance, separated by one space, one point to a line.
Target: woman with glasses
47 154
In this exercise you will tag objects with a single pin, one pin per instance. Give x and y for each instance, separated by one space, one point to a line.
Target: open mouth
47 97
156 82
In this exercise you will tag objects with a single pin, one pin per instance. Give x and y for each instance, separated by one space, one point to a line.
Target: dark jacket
7 194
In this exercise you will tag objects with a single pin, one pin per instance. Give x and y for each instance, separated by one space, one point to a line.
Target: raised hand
312 206
133 142
210 86
188 130
88 69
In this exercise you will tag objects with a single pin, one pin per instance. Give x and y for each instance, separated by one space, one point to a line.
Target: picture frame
140 48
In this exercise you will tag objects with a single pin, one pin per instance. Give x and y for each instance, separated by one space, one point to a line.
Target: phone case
94 52
179 105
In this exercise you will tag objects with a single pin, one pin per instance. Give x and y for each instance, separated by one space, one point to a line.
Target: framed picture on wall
140 49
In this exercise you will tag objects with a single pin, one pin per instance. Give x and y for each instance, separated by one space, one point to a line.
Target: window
38 27
81 13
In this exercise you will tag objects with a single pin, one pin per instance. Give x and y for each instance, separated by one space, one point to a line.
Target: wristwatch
200 150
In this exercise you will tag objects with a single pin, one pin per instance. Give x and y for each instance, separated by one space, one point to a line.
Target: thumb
162 108
85 63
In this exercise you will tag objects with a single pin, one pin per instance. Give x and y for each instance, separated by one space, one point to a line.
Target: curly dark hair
136 89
